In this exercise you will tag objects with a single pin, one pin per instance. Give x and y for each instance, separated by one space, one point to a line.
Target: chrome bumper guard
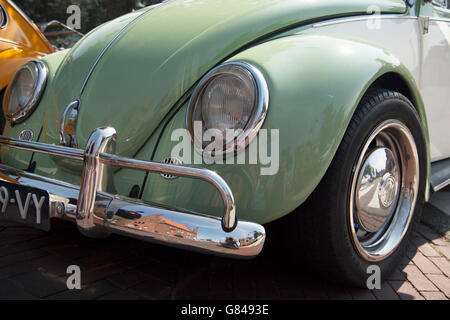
98 212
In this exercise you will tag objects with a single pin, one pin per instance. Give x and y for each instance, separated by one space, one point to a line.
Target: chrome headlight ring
253 121
3 17
25 91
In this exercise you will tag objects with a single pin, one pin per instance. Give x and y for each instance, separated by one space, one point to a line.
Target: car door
435 78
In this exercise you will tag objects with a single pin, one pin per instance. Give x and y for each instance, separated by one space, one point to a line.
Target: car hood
129 73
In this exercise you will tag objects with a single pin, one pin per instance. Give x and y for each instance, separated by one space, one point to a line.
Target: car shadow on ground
33 265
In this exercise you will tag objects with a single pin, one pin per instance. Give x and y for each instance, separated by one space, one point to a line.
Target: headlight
231 98
25 90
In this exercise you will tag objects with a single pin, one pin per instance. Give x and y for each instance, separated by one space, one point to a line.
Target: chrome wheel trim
377 190
378 243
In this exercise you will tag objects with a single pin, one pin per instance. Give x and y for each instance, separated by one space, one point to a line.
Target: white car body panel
426 55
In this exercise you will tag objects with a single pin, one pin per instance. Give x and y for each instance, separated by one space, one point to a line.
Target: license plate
26 205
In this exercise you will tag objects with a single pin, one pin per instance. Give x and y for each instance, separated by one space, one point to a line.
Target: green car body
137 73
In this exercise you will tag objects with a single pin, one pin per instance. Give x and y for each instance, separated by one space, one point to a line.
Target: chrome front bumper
98 212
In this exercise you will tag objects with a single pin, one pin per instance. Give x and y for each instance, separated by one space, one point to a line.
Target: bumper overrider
98 212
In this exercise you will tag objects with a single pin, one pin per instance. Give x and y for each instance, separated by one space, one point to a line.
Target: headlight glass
25 90
228 102
232 98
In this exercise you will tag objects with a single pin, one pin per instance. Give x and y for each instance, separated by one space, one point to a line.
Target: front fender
315 82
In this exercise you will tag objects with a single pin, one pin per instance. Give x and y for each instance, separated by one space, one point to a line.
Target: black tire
324 226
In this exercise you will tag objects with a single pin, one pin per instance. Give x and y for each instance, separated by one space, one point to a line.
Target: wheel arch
398 82
403 83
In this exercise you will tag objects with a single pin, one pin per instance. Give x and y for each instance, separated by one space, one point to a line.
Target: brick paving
33 266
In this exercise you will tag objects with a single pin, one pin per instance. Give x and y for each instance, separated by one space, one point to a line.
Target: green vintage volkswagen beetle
194 123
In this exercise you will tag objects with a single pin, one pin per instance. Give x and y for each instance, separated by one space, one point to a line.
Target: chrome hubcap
384 191
377 189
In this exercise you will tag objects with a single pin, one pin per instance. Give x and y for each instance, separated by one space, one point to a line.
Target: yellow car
20 42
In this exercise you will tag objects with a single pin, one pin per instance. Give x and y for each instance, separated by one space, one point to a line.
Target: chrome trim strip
9 41
48 149
229 220
20 46
441 186
44 26
439 6
439 19
363 18
102 53
440 174
134 218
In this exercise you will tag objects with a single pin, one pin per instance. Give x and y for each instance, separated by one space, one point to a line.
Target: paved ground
33 265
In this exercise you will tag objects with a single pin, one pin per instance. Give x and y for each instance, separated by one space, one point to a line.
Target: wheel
365 208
